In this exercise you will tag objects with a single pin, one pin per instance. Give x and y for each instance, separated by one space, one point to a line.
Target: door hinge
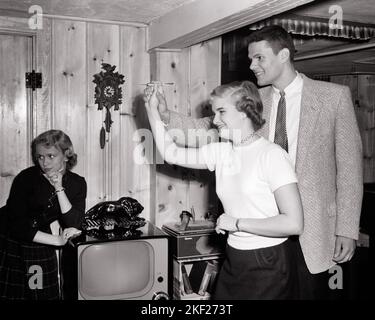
33 80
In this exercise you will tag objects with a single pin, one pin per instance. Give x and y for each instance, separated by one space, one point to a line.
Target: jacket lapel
310 108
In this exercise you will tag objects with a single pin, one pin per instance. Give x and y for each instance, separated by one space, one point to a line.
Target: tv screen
133 269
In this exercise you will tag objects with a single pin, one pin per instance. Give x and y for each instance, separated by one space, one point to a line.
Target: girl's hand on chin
55 178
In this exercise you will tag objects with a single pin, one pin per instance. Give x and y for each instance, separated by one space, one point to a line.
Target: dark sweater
32 204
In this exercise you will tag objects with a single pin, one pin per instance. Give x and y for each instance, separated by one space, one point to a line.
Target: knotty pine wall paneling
191 74
172 185
69 85
43 96
102 46
69 53
205 74
15 109
136 170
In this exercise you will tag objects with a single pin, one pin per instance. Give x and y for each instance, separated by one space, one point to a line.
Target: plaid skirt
28 271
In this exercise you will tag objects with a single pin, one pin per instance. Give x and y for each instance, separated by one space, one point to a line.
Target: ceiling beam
201 20
335 51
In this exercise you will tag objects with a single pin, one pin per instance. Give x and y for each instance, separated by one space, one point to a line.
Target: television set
123 268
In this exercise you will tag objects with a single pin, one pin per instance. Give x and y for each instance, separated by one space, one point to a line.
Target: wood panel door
15 108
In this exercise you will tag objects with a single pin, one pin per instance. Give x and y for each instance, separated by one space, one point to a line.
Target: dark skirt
27 271
259 274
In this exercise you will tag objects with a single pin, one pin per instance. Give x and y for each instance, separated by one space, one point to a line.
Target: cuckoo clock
108 93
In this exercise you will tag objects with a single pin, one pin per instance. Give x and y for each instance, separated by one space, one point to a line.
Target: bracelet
237 228
60 190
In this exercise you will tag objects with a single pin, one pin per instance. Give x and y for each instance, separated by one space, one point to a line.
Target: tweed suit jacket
328 165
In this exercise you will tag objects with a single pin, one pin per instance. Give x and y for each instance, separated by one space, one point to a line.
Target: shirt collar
294 87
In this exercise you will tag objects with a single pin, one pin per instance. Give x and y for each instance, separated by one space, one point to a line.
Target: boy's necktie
281 137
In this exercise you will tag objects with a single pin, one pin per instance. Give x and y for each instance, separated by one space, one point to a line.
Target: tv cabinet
195 278
197 256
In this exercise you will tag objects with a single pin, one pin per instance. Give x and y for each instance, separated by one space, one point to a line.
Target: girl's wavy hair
59 140
245 96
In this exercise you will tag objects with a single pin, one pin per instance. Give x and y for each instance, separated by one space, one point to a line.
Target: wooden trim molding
201 20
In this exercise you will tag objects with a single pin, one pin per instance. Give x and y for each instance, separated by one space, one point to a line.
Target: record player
198 238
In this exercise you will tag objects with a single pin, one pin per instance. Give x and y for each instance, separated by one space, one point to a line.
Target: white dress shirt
293 96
